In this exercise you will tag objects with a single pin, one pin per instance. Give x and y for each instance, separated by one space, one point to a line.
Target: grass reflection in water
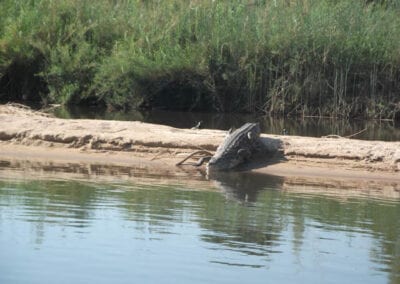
249 228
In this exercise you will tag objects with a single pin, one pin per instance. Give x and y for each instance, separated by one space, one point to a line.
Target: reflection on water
249 229
316 127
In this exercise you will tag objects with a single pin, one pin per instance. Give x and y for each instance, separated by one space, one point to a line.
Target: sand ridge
28 134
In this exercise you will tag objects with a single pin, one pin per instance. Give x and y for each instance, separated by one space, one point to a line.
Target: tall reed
335 58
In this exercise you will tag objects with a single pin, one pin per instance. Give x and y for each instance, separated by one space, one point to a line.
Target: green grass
338 58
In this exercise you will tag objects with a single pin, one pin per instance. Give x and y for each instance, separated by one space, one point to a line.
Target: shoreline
19 162
26 135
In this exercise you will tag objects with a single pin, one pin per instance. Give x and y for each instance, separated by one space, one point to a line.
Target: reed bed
336 58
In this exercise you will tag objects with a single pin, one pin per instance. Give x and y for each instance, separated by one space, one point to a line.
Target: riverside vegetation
338 58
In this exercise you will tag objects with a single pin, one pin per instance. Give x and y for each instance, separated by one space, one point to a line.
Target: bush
311 57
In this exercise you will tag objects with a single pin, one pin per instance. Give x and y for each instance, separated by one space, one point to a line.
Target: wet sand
27 136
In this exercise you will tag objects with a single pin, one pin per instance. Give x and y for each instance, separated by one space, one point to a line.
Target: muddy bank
26 134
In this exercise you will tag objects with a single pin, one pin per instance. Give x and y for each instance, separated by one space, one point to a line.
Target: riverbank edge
30 135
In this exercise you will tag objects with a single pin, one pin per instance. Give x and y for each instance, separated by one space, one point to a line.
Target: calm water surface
315 127
246 229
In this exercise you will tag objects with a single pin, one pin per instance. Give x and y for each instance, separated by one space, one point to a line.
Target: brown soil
26 135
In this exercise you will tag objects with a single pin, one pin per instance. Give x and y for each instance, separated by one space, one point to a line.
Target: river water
315 127
132 226
240 228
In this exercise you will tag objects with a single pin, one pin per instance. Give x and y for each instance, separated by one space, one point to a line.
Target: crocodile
238 147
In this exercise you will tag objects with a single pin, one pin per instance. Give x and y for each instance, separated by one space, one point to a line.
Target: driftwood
348 136
200 161
355 134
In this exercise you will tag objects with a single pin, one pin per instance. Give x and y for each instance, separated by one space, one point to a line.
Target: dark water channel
316 127
244 229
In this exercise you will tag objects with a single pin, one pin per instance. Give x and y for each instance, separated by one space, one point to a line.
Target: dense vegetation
309 57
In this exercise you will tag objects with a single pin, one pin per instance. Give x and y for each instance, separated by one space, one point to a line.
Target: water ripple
81 232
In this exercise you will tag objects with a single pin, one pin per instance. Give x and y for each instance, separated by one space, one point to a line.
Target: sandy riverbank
26 135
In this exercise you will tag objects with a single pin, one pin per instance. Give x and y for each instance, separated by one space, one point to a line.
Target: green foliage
310 57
